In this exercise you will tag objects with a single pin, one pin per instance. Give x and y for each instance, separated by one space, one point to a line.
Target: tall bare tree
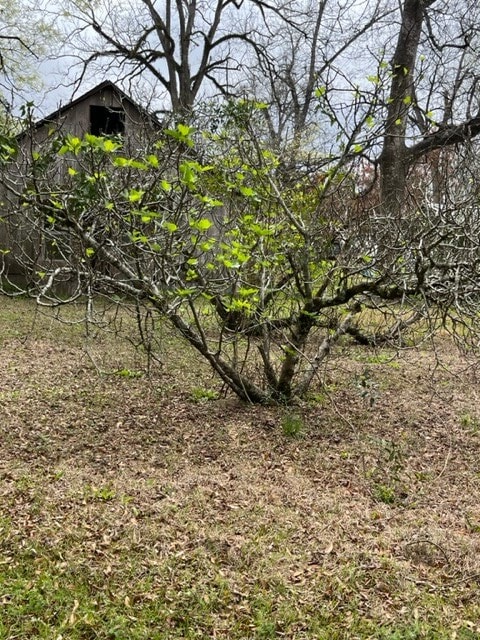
310 52
434 107
187 48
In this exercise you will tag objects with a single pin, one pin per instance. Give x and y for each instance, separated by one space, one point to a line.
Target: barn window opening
105 121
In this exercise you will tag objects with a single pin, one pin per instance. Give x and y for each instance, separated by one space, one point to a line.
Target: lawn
142 502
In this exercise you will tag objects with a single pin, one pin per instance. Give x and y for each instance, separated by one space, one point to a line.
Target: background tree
187 49
420 107
303 54
24 39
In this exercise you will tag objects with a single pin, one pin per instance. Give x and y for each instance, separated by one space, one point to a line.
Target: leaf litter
204 518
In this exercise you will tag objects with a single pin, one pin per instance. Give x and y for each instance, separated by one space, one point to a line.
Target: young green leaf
202 225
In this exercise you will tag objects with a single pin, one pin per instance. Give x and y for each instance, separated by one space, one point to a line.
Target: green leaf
211 202
181 133
244 292
208 244
75 142
247 191
72 144
261 230
121 162
137 164
92 140
188 174
89 252
136 236
110 146
130 162
202 225
170 226
134 195
185 292
191 274
152 160
230 264
184 129
239 305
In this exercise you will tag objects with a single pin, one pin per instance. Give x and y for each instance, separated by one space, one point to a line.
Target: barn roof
106 84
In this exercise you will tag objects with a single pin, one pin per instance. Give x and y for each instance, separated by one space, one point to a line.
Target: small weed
469 422
405 633
367 387
25 484
423 476
265 629
384 493
203 395
394 364
317 398
292 425
99 493
379 358
128 373
9 395
387 475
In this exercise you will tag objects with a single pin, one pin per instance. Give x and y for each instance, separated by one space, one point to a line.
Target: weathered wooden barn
103 110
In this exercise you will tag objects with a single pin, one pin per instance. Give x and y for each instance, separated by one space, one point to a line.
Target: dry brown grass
131 510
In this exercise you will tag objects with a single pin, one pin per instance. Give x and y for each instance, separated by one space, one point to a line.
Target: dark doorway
105 121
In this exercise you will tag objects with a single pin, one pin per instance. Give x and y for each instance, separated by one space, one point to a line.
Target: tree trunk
393 160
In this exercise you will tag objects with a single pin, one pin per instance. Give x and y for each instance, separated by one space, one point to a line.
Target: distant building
104 110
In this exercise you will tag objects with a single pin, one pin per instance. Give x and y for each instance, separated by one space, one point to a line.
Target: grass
292 425
199 394
137 506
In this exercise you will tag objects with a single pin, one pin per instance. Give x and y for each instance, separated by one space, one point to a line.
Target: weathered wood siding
74 119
